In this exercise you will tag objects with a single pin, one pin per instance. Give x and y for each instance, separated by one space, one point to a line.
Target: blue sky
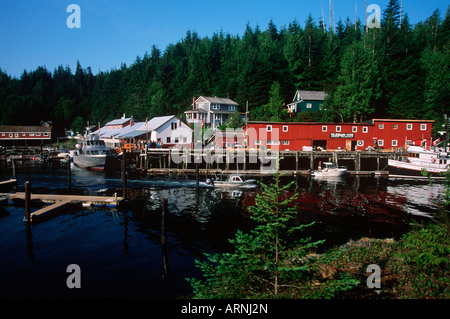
34 32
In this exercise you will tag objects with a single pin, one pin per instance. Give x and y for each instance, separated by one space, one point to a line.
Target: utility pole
446 132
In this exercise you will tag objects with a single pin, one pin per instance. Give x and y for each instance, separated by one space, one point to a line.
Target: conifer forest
399 70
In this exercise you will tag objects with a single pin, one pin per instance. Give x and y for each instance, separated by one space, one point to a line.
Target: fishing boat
330 170
92 153
233 181
417 159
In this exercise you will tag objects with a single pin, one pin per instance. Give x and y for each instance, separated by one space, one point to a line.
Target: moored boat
329 171
92 153
418 159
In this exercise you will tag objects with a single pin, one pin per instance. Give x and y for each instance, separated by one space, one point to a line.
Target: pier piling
27 218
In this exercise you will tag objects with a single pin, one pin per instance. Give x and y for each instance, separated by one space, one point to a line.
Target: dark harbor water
120 254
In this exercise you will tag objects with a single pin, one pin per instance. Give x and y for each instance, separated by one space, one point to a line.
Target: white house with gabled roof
168 131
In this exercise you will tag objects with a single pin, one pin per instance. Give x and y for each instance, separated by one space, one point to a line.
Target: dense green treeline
398 71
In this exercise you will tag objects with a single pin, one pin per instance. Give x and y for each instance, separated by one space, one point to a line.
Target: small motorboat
329 171
234 180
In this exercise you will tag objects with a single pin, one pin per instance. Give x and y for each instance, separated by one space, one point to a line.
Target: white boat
417 159
329 171
234 180
92 153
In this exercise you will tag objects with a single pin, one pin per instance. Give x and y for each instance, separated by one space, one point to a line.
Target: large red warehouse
386 134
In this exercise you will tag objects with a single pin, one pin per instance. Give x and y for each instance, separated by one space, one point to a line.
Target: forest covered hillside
397 71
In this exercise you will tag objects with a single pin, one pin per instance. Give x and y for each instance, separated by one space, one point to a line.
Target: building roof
154 123
219 100
119 121
25 129
312 95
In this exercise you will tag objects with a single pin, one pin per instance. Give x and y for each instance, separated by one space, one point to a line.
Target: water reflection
120 250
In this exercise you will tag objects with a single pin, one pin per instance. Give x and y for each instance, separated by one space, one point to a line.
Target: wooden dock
177 160
210 172
59 204
7 185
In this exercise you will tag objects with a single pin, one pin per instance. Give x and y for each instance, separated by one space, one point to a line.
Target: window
217 116
24 134
285 128
16 134
380 142
365 129
257 142
308 105
31 134
338 128
269 128
409 127
168 139
423 127
270 142
285 142
173 125
324 128
231 108
354 129
394 143
10 134
38 134
360 143
216 107
395 126
177 140
381 126
184 139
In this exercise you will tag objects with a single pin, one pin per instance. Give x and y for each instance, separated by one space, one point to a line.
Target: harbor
120 248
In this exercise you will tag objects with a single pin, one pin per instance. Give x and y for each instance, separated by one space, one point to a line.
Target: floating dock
8 185
59 204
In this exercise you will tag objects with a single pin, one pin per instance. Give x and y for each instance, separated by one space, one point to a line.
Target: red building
297 136
24 135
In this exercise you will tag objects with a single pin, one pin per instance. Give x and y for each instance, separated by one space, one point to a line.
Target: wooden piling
27 202
14 168
311 163
197 175
124 174
69 175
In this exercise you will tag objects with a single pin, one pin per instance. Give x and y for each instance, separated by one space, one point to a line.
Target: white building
168 131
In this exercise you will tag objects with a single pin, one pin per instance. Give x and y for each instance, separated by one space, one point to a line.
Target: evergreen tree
357 88
271 261
274 110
